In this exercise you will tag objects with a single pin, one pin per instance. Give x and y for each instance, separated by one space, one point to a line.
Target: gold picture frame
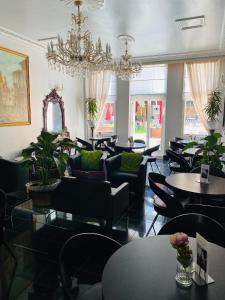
14 88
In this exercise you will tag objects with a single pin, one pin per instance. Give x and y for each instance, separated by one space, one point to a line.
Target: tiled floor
37 239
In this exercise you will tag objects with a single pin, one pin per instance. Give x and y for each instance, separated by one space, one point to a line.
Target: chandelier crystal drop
126 68
79 55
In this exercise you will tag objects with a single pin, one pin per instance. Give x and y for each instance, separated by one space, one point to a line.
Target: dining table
189 183
145 269
127 146
186 141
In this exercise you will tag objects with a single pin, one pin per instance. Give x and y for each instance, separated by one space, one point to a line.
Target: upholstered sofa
136 180
91 198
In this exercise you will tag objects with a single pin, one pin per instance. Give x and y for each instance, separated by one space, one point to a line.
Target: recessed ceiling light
191 22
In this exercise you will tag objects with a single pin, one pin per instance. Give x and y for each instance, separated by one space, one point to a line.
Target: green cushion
130 162
90 159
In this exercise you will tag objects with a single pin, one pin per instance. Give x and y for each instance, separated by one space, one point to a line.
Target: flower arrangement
180 242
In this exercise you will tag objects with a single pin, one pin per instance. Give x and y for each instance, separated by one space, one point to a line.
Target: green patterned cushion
130 162
90 159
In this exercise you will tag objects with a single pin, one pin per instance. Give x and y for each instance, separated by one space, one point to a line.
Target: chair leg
153 222
154 230
151 167
157 167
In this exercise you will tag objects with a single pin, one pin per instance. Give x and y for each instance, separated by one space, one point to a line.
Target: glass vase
184 274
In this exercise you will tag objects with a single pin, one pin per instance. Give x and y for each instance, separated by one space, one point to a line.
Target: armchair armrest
143 165
120 199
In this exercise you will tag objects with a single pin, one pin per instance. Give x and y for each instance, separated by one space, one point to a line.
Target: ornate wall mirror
54 114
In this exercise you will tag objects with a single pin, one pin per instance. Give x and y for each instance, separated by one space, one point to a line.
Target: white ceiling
150 22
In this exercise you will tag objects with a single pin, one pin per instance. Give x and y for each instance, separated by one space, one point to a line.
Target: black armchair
91 198
13 177
164 202
75 164
136 180
177 162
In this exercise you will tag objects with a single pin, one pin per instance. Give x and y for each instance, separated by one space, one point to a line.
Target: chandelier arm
79 54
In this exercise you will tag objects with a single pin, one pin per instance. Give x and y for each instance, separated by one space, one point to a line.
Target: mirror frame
54 98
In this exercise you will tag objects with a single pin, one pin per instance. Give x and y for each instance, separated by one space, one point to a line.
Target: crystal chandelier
125 69
78 55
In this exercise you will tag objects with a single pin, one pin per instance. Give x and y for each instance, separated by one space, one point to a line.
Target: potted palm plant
213 109
211 151
92 110
49 163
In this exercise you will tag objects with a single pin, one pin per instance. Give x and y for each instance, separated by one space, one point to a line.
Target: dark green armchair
137 181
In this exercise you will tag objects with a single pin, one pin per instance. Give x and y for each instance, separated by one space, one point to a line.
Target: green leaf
190 145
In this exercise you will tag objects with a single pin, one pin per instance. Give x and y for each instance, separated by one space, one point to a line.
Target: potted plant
92 110
210 151
49 163
213 109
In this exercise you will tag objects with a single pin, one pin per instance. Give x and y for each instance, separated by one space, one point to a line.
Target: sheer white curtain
204 77
98 88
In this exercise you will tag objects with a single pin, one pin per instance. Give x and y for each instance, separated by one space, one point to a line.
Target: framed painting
14 88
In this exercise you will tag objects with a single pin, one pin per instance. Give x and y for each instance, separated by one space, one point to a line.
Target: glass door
146 119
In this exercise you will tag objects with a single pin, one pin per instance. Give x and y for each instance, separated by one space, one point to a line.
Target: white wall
174 103
14 138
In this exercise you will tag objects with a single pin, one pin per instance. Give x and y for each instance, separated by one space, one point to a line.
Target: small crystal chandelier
79 55
125 69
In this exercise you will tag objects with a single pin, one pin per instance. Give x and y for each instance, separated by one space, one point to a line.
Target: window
147 96
192 122
107 122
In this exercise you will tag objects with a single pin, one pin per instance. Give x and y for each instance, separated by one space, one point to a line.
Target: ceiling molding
181 56
21 37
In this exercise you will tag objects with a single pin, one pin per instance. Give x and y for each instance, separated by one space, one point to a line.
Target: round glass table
130 146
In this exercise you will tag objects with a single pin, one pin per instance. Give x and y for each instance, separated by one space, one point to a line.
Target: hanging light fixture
126 68
78 55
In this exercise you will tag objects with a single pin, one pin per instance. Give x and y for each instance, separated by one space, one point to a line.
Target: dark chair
100 144
111 151
112 142
152 159
191 223
139 141
213 211
136 180
177 139
114 137
8 268
164 203
13 178
85 145
212 171
119 149
175 146
91 199
81 261
177 162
